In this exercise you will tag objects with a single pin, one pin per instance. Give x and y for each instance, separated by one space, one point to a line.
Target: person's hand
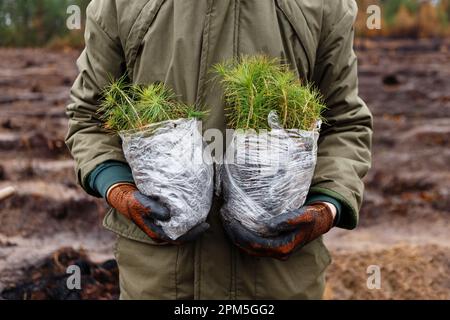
144 211
292 231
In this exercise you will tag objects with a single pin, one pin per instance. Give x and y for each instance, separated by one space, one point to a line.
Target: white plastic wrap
267 173
167 162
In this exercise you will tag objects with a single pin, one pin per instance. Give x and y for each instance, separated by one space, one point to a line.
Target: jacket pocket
299 277
146 272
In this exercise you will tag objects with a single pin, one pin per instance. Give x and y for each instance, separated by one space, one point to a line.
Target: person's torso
178 42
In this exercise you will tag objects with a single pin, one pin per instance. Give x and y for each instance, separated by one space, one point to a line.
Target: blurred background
48 223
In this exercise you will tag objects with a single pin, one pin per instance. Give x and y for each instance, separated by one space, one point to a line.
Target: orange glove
143 211
293 230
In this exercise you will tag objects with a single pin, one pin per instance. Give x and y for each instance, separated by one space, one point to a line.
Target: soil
404 220
50 223
48 279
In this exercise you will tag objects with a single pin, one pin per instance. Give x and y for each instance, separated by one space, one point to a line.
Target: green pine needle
126 106
256 85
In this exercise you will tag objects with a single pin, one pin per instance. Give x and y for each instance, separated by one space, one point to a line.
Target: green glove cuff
108 174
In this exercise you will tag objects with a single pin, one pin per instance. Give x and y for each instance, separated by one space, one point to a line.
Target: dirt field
50 223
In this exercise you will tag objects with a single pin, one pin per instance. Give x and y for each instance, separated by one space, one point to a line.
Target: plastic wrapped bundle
267 173
167 162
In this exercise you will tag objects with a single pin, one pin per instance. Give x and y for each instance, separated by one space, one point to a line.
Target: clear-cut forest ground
50 223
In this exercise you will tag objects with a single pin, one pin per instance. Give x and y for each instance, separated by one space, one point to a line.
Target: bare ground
50 223
404 228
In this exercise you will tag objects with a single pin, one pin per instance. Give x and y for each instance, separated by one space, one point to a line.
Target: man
177 42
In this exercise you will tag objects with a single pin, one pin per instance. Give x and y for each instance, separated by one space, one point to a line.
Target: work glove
291 231
144 211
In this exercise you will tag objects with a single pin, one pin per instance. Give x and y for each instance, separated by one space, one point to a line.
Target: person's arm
102 60
344 153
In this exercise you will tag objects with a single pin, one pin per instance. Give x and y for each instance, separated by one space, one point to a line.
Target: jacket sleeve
344 154
102 60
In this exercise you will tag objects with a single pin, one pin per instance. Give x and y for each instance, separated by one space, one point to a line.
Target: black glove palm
293 230
143 211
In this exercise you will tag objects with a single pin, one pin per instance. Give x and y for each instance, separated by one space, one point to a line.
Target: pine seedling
300 106
117 108
246 87
254 86
125 107
156 103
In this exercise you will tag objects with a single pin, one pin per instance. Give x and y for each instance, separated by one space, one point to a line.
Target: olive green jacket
177 42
